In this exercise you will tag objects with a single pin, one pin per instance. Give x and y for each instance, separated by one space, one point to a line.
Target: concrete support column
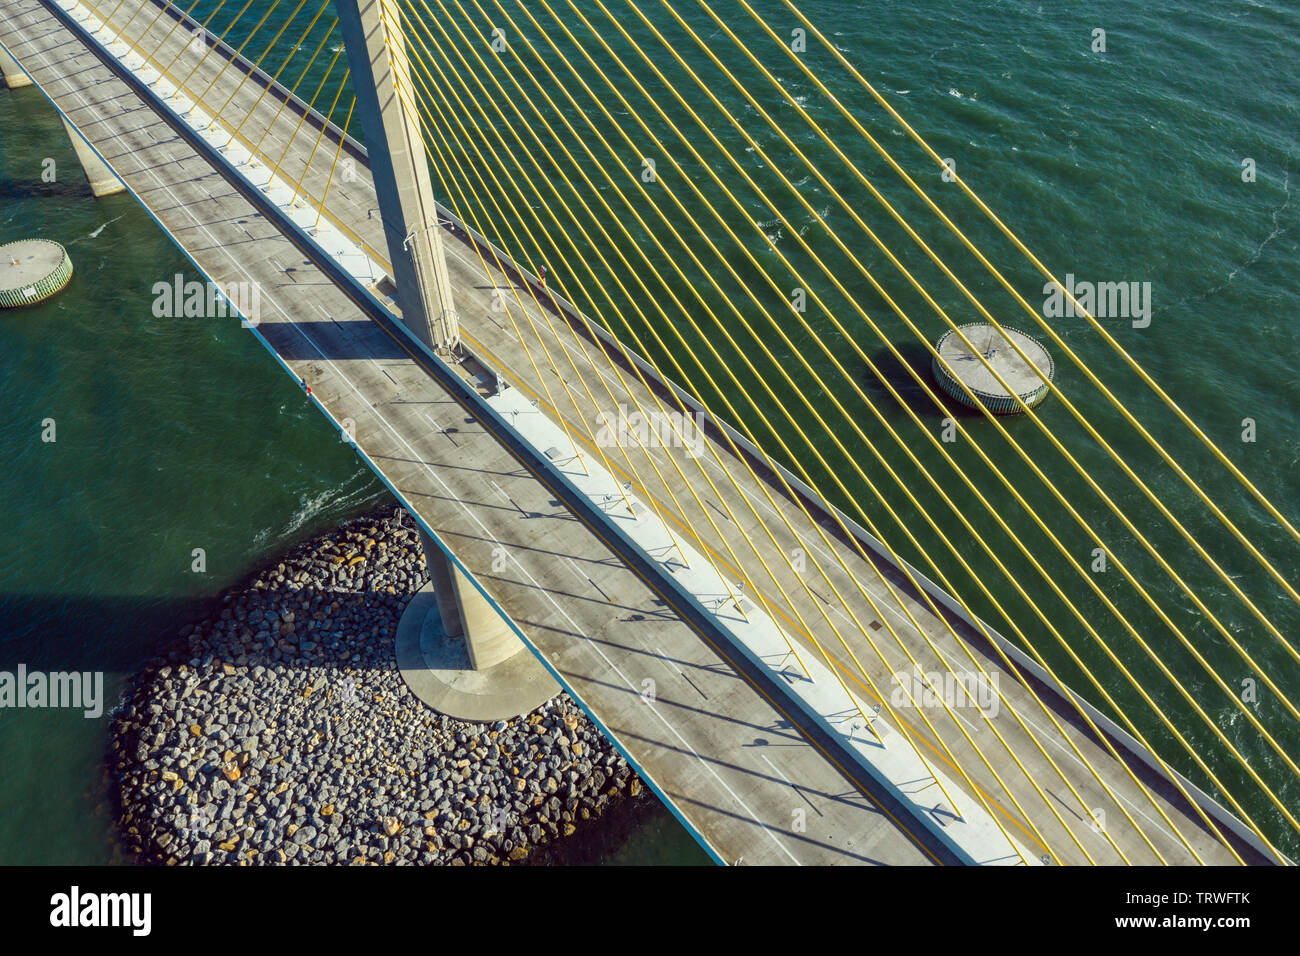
13 73
460 656
466 613
103 182
381 76
442 578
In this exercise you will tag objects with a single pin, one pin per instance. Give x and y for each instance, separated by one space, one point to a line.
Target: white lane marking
384 420
897 614
668 660
577 629
576 569
781 775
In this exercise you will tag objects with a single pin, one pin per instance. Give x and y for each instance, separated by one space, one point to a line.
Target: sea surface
1117 165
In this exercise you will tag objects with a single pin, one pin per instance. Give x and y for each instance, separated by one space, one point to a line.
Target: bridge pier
460 656
103 181
465 660
13 73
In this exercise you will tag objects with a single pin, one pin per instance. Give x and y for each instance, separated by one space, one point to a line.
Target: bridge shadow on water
14 191
118 635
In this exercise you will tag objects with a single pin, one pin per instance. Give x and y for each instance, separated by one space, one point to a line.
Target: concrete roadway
716 748
721 753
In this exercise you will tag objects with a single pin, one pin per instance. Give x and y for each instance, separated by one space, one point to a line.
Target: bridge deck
723 753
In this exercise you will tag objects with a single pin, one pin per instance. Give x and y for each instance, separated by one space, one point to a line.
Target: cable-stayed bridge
793 689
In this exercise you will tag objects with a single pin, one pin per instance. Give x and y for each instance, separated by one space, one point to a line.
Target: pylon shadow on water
917 358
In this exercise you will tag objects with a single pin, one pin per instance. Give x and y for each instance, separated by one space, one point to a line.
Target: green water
170 436
1115 166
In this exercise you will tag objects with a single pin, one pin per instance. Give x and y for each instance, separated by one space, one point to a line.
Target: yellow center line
181 87
314 252
690 532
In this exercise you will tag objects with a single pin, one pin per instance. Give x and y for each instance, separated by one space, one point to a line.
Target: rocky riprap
280 731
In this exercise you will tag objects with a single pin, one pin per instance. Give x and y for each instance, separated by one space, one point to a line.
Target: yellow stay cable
113 13
258 64
239 52
922 633
275 79
568 433
165 70
235 134
595 247
162 8
587 357
1223 459
823 652
1237 702
1153 551
301 76
320 210
762 154
794 231
1227 579
329 119
311 105
636 477
1121 807
896 636
569 271
589 91
577 408
167 36
761 556
203 28
857 705
220 40
1164 669
180 85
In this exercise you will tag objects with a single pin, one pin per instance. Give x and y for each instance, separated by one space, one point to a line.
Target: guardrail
691 611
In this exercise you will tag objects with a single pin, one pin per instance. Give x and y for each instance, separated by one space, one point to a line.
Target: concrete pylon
381 76
13 73
103 181
460 656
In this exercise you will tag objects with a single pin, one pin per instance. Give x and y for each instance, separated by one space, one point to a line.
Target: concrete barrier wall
974 629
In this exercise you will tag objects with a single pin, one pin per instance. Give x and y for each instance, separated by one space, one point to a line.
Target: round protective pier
32 270
437 669
956 363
